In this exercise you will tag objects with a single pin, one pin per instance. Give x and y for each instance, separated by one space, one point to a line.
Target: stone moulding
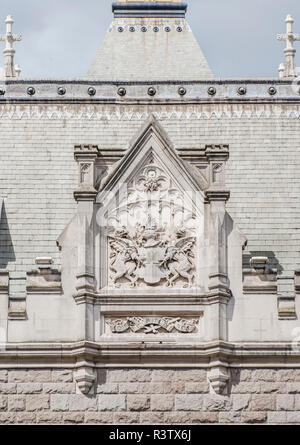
259 278
4 282
44 281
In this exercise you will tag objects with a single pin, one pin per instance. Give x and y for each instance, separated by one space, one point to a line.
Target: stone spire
10 69
288 70
149 41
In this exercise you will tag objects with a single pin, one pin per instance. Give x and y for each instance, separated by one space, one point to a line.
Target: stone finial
288 70
10 69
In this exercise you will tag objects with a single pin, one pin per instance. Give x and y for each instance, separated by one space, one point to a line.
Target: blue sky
238 37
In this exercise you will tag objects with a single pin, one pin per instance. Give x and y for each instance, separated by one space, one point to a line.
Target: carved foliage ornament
152 325
151 237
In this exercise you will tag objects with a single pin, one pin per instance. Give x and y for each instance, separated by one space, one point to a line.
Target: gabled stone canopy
149 44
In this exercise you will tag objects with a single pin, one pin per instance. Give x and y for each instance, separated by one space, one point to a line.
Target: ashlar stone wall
155 396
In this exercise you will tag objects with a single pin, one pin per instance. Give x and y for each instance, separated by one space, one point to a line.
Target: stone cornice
153 353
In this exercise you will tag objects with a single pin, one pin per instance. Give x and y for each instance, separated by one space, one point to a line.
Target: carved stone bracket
86 155
85 378
17 309
218 377
286 308
259 278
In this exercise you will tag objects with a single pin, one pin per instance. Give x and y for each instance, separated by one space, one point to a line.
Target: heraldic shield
151 218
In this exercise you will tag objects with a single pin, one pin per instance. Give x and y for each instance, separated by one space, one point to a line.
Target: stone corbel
17 309
85 377
259 278
218 377
86 155
286 308
45 279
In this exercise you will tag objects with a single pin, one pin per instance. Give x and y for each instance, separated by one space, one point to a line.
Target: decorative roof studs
151 91
144 28
131 28
272 91
181 91
61 91
120 29
31 91
156 29
179 29
91 91
211 91
242 91
121 91
167 29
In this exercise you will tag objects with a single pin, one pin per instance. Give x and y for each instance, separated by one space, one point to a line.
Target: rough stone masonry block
188 402
73 418
3 403
16 403
78 402
59 388
285 402
138 402
37 402
64 376
111 402
3 376
253 417
126 418
263 402
240 401
96 417
160 402
29 388
277 417
59 402
216 403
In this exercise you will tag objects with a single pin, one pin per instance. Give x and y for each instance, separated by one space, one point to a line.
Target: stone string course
158 396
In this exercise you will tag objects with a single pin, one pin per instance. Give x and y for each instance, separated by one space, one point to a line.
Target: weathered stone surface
8 388
129 388
151 418
285 402
48 417
138 402
31 376
288 375
59 402
153 388
96 417
160 402
8 418
240 401
3 376
63 375
29 388
293 417
194 388
253 417
116 375
216 403
59 388
78 402
26 418
199 418
191 375
263 402
264 375
16 403
163 375
139 375
268 387
293 388
177 417
188 402
3 403
297 402
277 417
246 388
37 402
229 417
174 387
126 418
73 418
111 402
